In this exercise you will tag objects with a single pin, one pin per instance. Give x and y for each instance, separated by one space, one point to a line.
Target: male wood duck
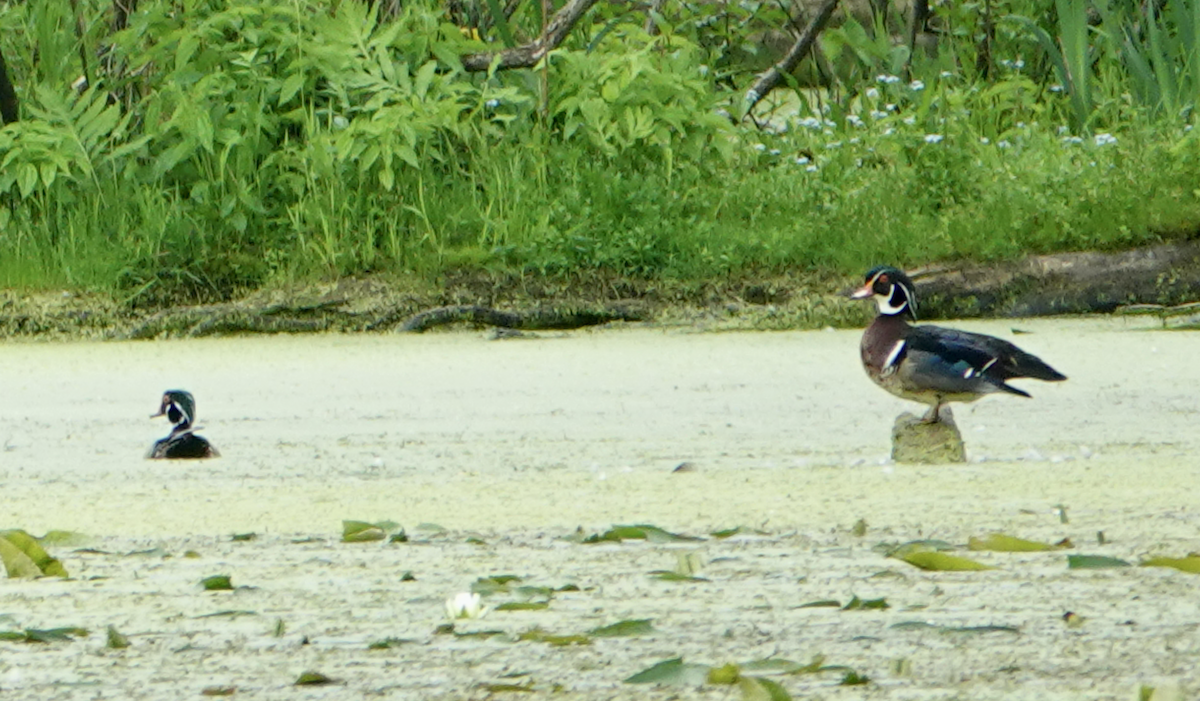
934 365
180 409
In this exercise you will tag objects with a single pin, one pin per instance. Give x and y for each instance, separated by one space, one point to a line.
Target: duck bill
862 293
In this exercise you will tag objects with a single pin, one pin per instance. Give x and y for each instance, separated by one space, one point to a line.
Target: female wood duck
180 409
934 365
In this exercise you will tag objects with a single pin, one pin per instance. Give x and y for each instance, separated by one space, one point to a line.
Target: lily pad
853 678
362 532
672 576
23 556
760 689
388 643
941 562
642 531
494 584
217 582
312 679
1003 543
51 635
821 603
1094 562
538 635
899 550
115 640
243 537
218 691
65 539
776 665
525 688
624 629
523 606
857 604
672 672
1190 564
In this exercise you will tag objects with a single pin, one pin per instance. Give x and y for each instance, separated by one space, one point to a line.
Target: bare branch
528 55
772 76
9 106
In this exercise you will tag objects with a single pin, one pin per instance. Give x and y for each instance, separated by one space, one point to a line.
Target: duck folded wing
992 357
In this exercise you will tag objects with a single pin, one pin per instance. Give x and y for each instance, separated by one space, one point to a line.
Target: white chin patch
886 307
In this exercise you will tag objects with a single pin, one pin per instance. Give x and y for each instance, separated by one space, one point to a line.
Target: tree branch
772 76
528 55
9 107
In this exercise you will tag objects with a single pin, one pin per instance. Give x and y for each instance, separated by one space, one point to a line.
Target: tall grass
252 142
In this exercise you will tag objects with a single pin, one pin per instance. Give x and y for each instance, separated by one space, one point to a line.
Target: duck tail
1027 365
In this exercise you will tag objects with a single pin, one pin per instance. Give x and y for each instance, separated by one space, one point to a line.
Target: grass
279 155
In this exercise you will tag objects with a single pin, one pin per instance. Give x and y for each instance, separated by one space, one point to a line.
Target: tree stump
920 443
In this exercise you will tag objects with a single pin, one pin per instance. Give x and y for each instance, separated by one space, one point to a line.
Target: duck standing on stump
180 409
934 365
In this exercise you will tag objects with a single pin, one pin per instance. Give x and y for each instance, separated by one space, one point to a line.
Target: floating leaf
623 629
523 606
857 604
859 528
673 672
234 613
218 691
312 679
65 538
898 551
538 635
853 678
494 584
115 640
672 576
913 625
1002 543
941 562
398 537
217 582
50 635
646 532
525 688
821 603
23 556
725 674
1190 564
773 665
361 532
760 689
975 630
1094 562
388 643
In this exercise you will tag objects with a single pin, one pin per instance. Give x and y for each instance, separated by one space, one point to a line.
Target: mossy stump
917 442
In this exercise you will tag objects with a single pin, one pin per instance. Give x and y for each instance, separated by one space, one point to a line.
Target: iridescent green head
178 406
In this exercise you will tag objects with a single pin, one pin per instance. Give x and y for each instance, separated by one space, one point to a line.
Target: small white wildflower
855 140
916 86
830 123
1056 88
1187 128
984 140
801 160
465 605
810 122
1018 64
876 114
812 169
1003 143
933 138
889 131
854 120
703 69
760 147
890 107
1104 139
887 78
945 74
774 152
1020 125
833 144
340 122
1072 140
872 93
492 103
910 120
1062 129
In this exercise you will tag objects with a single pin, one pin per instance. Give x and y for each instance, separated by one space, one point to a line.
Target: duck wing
994 358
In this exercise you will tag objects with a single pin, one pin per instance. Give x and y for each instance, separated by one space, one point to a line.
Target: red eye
884 279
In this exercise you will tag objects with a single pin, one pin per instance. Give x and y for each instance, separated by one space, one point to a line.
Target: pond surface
521 441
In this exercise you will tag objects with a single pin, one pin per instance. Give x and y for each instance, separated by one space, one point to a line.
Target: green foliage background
226 145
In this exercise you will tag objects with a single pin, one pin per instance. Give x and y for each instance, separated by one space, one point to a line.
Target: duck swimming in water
182 443
935 365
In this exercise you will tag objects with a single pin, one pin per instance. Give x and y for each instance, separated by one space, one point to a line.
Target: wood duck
935 365
180 409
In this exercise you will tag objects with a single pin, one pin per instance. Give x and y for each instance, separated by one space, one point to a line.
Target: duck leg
932 416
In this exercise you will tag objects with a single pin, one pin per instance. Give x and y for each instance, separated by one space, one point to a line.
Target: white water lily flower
465 605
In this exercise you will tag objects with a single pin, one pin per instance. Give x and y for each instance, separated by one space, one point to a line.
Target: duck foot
922 441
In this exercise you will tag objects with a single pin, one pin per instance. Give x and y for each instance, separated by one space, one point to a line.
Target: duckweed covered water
510 446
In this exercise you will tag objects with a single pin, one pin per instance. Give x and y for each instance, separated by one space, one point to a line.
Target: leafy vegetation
232 145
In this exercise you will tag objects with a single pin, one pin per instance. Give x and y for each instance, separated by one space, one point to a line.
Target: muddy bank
1071 283
511 446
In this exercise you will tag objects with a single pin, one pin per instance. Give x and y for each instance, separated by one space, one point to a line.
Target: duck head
892 291
178 406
